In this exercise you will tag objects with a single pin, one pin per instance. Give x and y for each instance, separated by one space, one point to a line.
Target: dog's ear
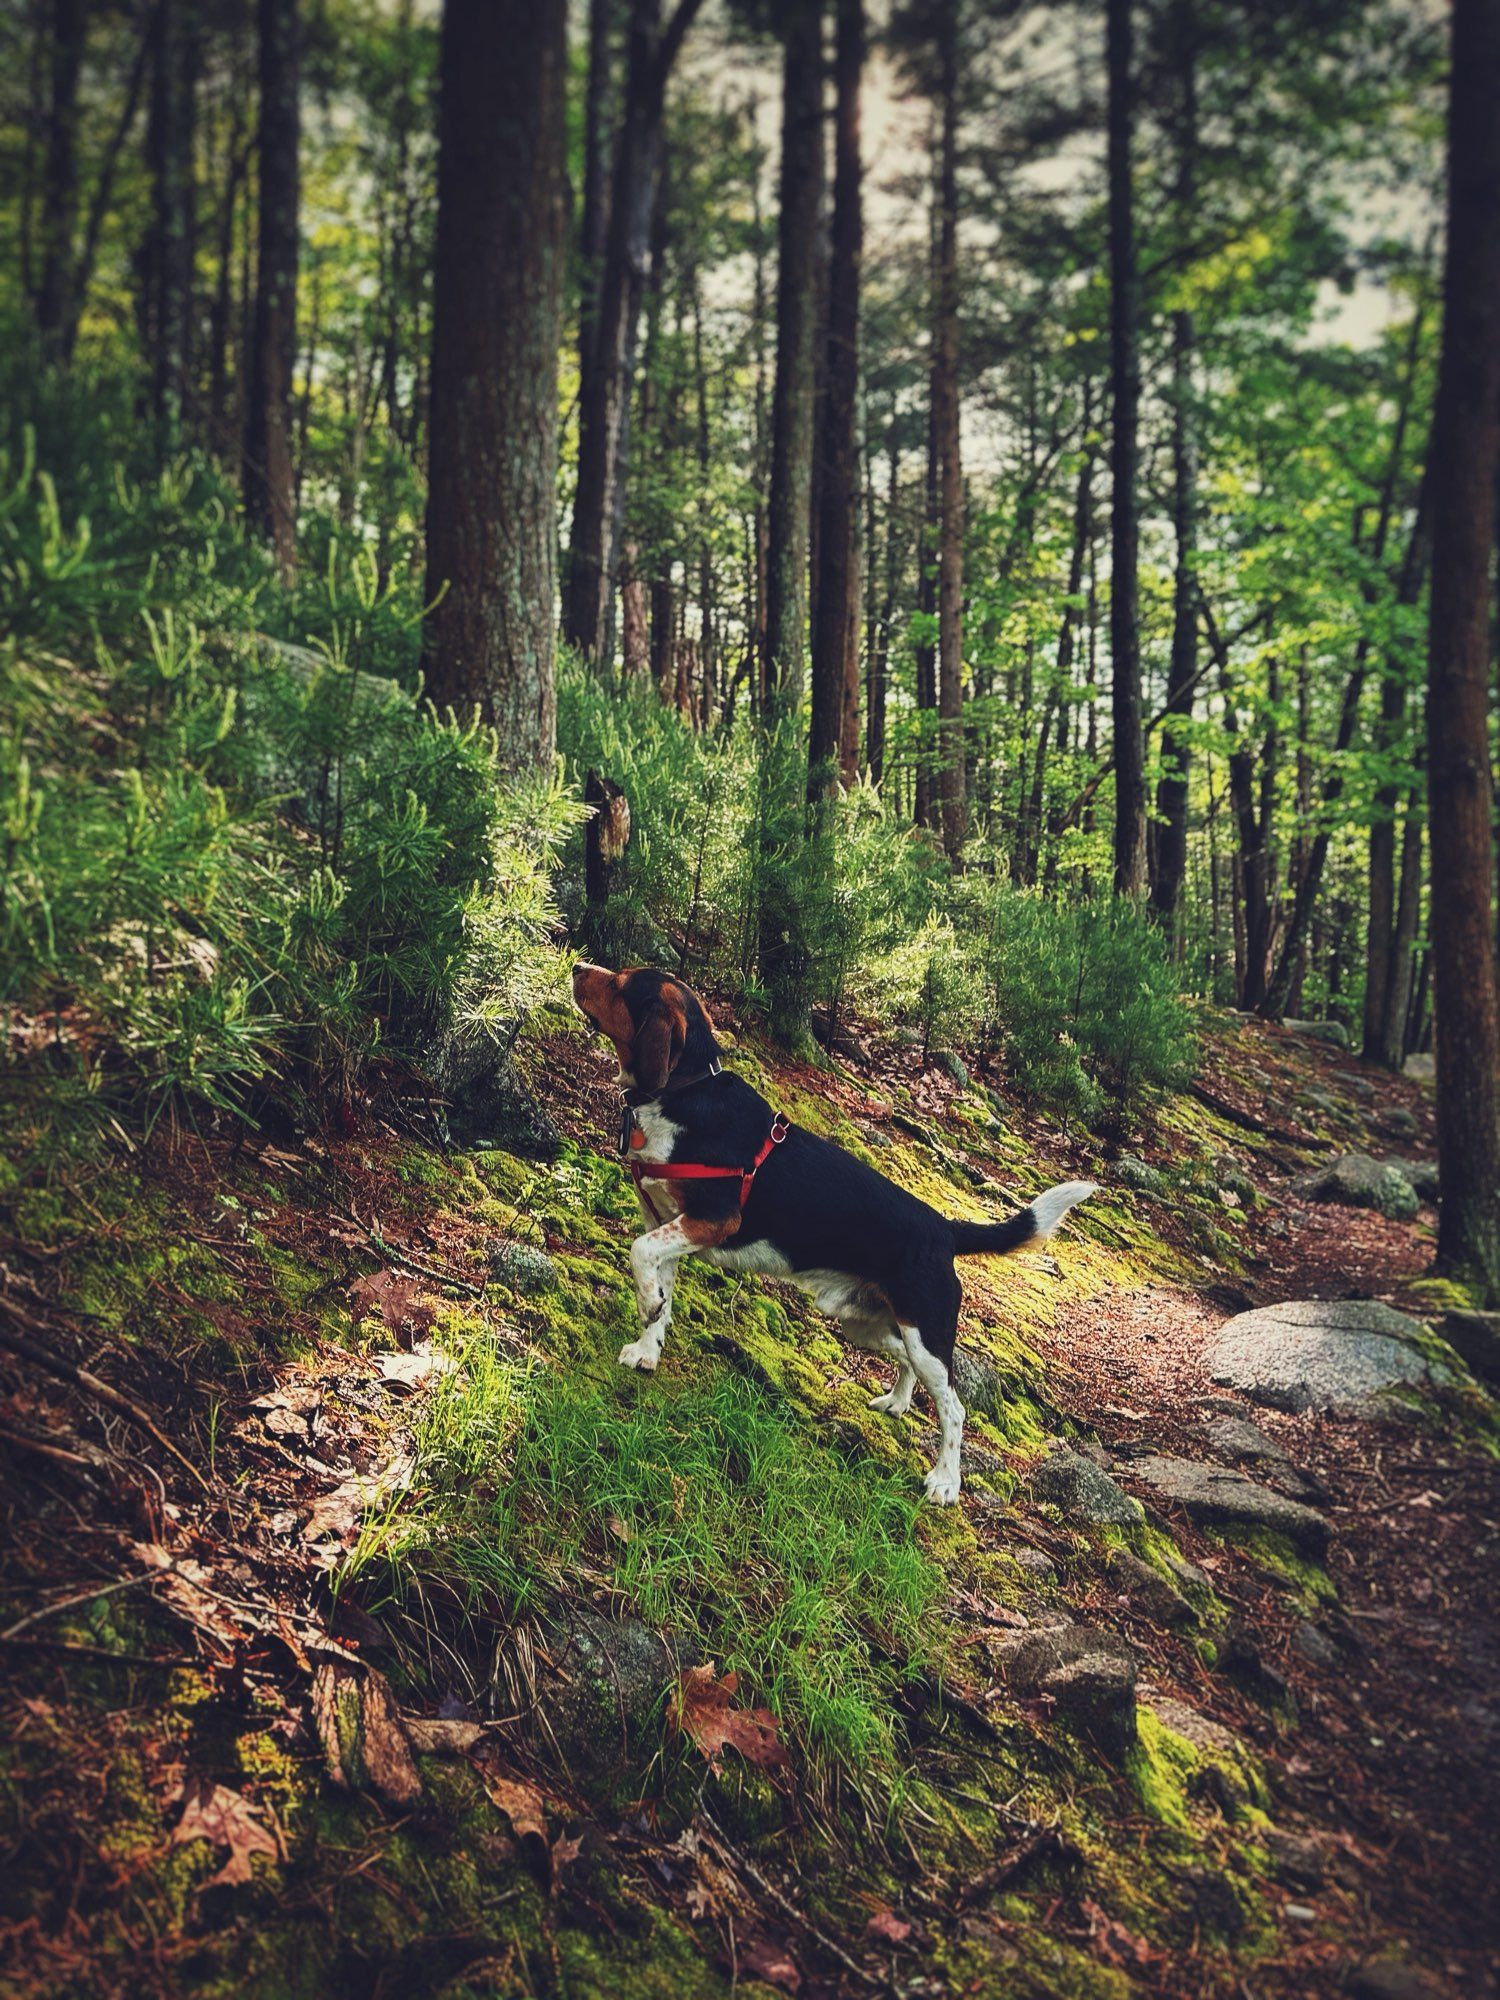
657 1046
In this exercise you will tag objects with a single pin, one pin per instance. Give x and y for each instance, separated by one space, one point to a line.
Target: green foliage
228 865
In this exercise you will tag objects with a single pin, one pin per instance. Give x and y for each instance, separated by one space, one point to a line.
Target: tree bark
1125 377
169 257
55 293
1171 844
609 373
497 323
1465 465
927 603
945 398
835 649
269 480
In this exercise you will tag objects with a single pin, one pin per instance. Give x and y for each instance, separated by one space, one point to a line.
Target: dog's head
657 1024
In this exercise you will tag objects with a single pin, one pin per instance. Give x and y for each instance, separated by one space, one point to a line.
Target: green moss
1308 1582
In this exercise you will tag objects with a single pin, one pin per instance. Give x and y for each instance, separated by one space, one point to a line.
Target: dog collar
673 1084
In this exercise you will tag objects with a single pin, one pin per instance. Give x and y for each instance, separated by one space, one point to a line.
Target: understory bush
230 867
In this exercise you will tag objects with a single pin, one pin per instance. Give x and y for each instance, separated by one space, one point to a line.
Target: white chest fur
658 1132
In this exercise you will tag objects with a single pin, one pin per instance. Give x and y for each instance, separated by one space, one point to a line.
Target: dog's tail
1029 1225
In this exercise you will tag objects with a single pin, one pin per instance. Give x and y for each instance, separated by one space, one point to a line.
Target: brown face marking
598 995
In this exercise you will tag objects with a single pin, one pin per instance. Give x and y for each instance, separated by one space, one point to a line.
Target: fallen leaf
762 1959
399 1301
416 1369
224 1819
521 1803
335 1515
441 1736
886 1925
704 1712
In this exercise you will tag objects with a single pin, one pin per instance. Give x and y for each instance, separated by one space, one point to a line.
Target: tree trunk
55 294
1380 942
605 389
796 330
1465 466
783 952
927 604
878 660
270 486
945 398
169 256
1171 846
497 310
835 649
598 137
1125 378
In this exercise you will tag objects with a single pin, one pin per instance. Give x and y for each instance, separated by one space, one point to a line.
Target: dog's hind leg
897 1399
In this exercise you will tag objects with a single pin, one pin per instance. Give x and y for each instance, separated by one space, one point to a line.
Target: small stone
1241 1660
1148 1590
1394 1978
1090 1674
1396 1118
1475 1337
1313 1644
1083 1492
1236 1441
952 1065
1332 1032
1421 1067
1035 1563
1300 1913
1296 1858
523 1268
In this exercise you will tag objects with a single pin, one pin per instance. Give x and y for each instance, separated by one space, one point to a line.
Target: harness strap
688 1170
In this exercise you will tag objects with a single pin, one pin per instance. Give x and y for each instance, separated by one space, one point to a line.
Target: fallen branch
81 1597
1247 1120
413 1264
83 1378
743 1865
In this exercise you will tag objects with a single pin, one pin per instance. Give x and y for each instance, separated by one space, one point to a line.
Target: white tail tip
1050 1208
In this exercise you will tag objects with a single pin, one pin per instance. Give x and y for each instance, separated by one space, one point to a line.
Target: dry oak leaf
762 1959
225 1819
886 1925
398 1300
414 1370
704 1712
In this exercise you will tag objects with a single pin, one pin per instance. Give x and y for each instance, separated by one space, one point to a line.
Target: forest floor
272 1731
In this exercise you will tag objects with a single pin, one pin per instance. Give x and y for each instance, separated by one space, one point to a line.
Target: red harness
688 1171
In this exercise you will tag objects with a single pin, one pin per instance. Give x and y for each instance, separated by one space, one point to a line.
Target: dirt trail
1391 1765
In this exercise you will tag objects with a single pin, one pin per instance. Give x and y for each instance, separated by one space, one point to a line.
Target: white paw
639 1354
890 1404
942 1486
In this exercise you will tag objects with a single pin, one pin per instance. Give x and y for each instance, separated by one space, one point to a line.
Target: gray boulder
1217 1497
1332 1032
1396 1978
952 1065
487 1100
1236 1441
1357 1181
606 1680
1421 1176
1475 1336
1084 1492
1396 1118
1322 1354
522 1267
1421 1067
1144 1179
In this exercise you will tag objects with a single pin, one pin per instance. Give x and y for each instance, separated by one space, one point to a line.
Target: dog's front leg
654 1258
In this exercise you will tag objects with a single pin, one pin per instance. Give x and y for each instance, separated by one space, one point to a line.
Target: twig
413 1264
81 1597
42 1643
1247 1120
83 1378
788 1908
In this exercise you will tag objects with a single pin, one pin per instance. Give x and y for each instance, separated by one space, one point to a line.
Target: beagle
720 1174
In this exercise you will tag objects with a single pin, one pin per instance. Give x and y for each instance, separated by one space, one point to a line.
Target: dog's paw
890 1404
942 1486
639 1354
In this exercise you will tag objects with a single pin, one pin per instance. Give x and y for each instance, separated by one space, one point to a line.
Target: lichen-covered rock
1323 1354
523 1267
488 1102
1422 1067
1219 1497
1133 1173
1083 1491
1332 1032
600 1690
1421 1176
952 1065
1357 1181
